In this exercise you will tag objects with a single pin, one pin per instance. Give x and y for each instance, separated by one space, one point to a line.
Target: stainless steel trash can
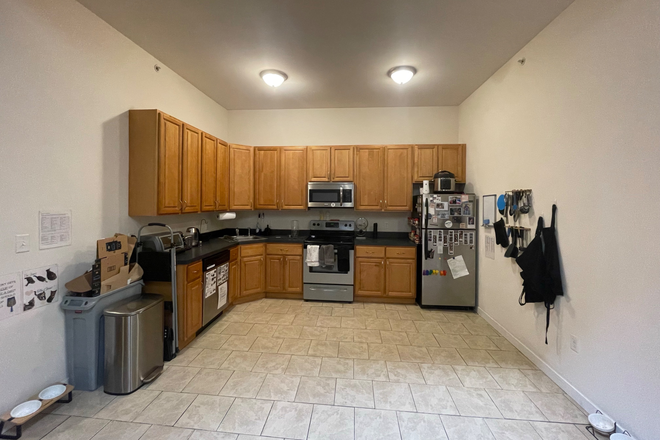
133 343
84 334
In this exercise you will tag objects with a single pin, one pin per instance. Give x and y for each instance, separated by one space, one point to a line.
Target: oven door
328 275
330 195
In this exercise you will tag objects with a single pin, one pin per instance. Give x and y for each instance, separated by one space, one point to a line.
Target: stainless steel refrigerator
447 252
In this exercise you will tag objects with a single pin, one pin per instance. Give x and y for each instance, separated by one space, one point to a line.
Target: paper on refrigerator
457 267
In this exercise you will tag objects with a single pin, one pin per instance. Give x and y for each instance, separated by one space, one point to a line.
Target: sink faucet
248 232
237 234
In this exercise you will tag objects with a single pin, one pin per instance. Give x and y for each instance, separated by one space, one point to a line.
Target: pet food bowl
25 409
52 392
602 424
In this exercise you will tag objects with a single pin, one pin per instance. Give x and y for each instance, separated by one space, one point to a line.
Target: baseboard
557 378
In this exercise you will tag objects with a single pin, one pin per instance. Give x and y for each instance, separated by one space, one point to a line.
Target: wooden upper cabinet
451 157
241 177
209 172
318 164
293 178
191 167
266 169
398 182
369 178
222 176
425 162
169 165
341 163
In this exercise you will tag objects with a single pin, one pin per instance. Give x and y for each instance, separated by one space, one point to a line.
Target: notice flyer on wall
40 287
54 229
11 296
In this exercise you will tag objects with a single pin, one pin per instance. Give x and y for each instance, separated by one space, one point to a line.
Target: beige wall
579 123
345 126
68 80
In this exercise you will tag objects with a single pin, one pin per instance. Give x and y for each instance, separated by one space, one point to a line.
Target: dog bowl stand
20 421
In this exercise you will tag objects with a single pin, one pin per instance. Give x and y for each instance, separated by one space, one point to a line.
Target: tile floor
284 369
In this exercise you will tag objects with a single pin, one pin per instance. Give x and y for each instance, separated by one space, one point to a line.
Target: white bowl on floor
25 409
52 392
601 423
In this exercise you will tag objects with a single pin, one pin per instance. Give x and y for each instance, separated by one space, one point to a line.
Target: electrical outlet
22 243
575 344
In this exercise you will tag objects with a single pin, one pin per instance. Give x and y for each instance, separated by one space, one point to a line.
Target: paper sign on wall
11 296
40 287
490 247
54 229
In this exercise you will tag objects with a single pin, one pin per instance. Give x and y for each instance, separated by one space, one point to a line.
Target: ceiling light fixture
401 74
273 78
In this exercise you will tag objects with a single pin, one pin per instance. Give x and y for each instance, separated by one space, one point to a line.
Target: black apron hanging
540 269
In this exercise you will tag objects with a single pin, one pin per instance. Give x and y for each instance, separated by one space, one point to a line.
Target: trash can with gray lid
133 343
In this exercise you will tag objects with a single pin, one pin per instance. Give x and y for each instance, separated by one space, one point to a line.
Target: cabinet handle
180 204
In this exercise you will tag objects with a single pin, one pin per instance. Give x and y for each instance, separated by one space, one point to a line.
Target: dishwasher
216 275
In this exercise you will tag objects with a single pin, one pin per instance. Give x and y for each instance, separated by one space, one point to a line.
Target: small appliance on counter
193 233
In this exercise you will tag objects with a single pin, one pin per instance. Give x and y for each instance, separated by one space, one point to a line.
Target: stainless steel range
324 281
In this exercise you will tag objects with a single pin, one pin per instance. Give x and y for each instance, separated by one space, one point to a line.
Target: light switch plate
22 243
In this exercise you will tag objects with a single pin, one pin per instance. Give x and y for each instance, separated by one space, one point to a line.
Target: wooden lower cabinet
252 275
190 300
369 277
293 274
284 268
234 281
274 273
391 274
400 277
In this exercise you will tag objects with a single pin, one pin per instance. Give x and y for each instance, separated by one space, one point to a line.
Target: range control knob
332 204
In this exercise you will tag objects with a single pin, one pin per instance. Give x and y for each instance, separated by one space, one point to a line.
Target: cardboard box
84 284
110 270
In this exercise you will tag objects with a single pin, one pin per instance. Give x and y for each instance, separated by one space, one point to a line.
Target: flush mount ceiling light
401 74
273 78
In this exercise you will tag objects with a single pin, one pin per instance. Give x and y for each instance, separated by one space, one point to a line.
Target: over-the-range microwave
330 194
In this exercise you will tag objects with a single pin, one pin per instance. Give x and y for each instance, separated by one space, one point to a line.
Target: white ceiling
336 52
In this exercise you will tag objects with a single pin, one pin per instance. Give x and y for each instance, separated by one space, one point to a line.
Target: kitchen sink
241 238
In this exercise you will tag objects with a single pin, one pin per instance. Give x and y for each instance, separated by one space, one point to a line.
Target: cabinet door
369 178
452 158
252 275
266 171
318 164
274 273
369 277
293 178
209 173
341 169
398 182
193 312
169 164
400 278
222 176
234 281
191 169
241 183
425 162
293 274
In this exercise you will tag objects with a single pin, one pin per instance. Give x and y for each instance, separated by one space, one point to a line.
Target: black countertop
212 245
216 245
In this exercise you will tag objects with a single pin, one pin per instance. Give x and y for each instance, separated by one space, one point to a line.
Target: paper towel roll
226 216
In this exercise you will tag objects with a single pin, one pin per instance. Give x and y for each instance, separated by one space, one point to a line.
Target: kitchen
554 97
197 172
